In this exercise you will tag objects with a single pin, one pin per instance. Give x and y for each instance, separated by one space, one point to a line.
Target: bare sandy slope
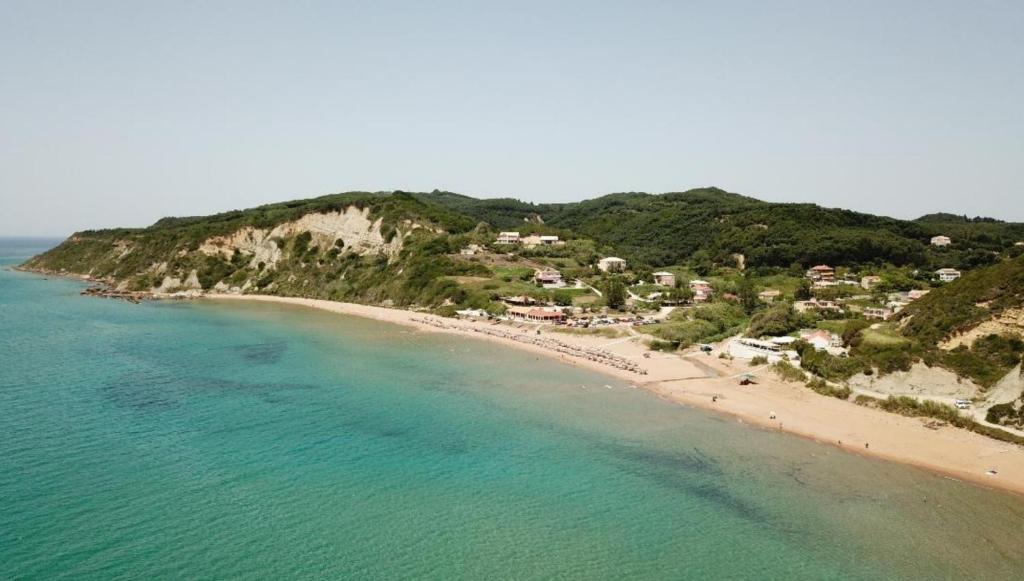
698 379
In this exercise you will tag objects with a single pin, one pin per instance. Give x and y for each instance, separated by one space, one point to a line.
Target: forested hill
705 226
671 228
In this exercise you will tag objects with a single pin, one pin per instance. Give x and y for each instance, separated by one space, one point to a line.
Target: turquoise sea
200 441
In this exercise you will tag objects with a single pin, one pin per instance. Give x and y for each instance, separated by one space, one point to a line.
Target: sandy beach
707 382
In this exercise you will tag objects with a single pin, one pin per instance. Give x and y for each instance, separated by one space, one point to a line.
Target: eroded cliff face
354 228
1009 322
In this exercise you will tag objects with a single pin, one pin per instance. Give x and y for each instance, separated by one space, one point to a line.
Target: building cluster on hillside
528 241
816 305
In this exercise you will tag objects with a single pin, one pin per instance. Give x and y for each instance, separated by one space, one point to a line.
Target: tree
747 295
701 262
615 293
803 290
562 298
779 319
681 294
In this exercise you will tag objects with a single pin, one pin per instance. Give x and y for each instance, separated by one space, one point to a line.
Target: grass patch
609 332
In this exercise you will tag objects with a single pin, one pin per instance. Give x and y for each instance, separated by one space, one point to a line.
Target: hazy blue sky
118 113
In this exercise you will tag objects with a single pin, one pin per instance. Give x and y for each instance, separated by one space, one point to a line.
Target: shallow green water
175 441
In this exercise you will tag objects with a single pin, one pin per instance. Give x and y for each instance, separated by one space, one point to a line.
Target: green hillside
977 296
671 228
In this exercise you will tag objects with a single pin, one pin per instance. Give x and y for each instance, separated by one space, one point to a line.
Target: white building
877 313
947 274
537 240
822 340
665 278
508 238
611 264
941 241
868 282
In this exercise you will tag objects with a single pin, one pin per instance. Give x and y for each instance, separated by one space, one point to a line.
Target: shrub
1003 413
987 361
658 345
788 372
824 388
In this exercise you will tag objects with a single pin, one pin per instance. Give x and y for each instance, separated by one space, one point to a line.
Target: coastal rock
192 282
168 284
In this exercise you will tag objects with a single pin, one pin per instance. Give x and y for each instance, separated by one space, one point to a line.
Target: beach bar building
744 348
536 315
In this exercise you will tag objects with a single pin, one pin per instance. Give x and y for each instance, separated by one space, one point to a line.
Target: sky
119 113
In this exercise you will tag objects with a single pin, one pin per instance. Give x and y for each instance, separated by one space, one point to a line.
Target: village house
897 304
947 274
941 241
611 264
471 250
508 238
822 273
769 295
702 290
665 278
537 240
549 278
536 315
868 282
821 339
882 313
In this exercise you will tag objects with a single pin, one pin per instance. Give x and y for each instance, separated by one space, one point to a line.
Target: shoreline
770 404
